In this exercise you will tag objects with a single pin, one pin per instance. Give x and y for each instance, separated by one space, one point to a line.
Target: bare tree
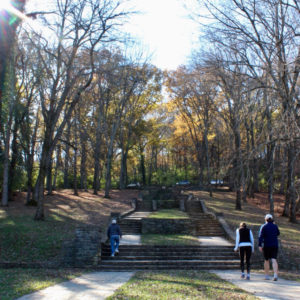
67 62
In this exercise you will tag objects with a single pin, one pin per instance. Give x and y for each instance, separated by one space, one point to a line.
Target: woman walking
244 241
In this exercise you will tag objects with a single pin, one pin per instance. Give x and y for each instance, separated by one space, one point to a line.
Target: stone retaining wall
85 249
167 226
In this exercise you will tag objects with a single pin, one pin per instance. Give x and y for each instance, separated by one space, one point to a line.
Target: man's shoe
243 276
275 279
248 277
267 277
117 251
112 255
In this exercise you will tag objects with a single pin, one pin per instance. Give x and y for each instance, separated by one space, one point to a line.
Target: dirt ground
261 200
85 208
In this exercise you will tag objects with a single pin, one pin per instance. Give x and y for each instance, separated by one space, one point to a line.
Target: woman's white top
244 244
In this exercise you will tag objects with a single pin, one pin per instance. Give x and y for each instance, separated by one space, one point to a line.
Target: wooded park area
82 107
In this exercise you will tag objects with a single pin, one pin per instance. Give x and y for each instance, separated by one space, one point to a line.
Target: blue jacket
268 235
114 229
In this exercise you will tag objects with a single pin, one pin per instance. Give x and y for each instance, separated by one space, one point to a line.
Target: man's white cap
268 216
114 221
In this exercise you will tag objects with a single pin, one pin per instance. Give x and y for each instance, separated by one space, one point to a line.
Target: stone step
169 263
169 257
178 248
186 254
167 267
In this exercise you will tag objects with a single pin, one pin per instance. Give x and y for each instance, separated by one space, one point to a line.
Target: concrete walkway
130 239
92 286
261 288
214 241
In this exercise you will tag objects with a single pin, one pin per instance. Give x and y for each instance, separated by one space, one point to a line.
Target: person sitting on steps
245 242
114 234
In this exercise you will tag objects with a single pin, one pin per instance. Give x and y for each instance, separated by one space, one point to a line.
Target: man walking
114 234
268 244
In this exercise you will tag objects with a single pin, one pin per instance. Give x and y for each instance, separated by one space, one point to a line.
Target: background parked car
183 182
133 185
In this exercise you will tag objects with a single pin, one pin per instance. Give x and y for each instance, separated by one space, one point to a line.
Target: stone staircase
142 257
130 226
158 257
205 224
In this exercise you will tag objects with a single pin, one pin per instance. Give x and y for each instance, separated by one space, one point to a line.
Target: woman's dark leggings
245 250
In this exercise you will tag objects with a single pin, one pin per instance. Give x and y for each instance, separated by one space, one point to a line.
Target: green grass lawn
26 240
17 282
177 284
169 239
169 214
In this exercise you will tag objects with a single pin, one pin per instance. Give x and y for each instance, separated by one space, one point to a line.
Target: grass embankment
24 240
169 239
179 285
168 214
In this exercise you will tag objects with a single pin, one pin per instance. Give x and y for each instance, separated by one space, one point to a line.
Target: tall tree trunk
75 155
10 95
57 165
30 159
49 177
123 171
108 172
83 176
270 158
142 165
67 156
97 152
39 186
207 162
292 190
290 181
13 163
237 167
283 171
254 163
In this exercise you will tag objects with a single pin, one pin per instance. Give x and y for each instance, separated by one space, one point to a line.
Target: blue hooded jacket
268 235
114 229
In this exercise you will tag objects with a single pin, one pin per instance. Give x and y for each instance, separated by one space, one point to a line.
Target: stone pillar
134 203
154 205
181 204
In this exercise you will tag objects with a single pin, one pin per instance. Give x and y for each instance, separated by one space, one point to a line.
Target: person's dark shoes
275 278
248 277
243 276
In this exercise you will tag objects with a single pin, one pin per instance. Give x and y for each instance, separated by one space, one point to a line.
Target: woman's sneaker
248 277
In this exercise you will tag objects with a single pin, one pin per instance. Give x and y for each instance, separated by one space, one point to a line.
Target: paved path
214 241
91 286
130 239
264 289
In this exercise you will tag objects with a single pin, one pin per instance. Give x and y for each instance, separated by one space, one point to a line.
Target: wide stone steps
130 226
162 267
168 257
135 257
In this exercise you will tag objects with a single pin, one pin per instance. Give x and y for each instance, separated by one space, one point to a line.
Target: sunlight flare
7 6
